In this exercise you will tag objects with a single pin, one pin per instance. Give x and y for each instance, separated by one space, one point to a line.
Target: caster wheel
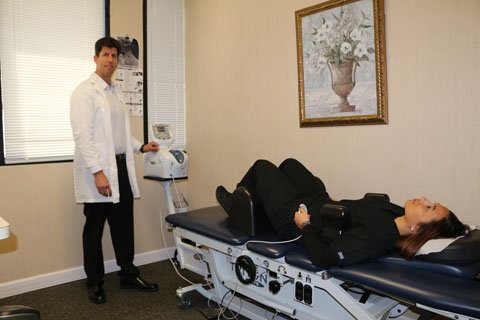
185 302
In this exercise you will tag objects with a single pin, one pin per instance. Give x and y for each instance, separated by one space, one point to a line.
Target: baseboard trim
12 288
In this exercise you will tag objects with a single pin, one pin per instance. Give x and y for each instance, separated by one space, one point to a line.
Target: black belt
120 157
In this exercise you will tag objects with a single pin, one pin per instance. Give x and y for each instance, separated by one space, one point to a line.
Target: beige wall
242 104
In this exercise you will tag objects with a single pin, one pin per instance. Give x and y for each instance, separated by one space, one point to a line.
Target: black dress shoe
223 198
96 294
138 284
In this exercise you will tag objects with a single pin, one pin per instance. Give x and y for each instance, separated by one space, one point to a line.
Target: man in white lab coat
105 180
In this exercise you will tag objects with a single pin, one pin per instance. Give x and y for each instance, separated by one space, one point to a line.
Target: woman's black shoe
223 198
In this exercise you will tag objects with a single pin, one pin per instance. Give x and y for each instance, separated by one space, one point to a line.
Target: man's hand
102 184
300 217
151 146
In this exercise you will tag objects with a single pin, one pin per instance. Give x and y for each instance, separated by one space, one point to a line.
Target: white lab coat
94 148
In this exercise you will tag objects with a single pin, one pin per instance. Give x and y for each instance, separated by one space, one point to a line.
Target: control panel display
161 131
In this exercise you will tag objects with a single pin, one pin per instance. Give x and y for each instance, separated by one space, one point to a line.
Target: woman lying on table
376 226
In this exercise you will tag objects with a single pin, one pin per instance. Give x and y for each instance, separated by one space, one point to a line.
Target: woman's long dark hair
448 227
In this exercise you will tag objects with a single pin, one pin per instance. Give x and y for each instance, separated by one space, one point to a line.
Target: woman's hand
300 217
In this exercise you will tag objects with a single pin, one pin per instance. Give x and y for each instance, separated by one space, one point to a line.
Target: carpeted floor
70 300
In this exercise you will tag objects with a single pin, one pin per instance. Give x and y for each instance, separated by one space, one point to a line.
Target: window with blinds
46 50
164 67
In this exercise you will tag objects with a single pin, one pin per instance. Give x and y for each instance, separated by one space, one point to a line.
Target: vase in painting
343 82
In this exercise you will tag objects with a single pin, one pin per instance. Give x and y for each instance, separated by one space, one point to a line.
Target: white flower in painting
361 50
327 26
346 34
346 48
321 35
356 35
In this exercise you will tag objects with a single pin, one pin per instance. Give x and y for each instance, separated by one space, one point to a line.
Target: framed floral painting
342 77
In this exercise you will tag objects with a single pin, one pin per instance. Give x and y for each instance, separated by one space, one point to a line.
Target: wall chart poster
129 76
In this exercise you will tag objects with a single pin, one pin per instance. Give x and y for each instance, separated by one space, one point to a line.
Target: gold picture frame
342 77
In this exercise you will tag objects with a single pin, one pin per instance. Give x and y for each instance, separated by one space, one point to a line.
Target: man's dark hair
108 42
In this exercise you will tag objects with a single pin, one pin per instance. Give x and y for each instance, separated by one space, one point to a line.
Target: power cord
273 242
166 246
301 206
224 309
180 202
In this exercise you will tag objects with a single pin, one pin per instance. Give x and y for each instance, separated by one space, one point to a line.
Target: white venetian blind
46 50
165 67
